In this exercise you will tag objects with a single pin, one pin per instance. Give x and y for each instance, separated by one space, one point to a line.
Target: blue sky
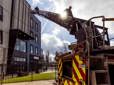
53 36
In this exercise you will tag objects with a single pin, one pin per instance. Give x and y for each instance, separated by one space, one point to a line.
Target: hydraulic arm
82 29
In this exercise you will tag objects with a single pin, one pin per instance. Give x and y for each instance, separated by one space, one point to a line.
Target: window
31 23
20 45
1 13
36 58
19 59
36 27
67 69
36 50
1 37
31 49
36 38
17 45
23 46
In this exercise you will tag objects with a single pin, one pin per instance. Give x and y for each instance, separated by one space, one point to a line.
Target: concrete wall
21 16
5 26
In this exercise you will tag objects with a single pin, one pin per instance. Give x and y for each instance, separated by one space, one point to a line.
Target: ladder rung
101 71
101 57
103 84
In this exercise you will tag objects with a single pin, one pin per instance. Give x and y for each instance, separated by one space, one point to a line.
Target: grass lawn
34 77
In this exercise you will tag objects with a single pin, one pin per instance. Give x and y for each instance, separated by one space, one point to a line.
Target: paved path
48 82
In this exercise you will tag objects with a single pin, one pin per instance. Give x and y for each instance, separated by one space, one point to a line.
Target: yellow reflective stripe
71 83
61 74
84 83
59 63
80 62
76 82
65 83
84 70
74 77
78 59
60 68
76 70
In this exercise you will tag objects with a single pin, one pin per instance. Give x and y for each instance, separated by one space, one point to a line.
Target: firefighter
69 11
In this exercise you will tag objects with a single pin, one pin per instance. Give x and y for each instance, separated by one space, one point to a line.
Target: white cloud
84 9
52 43
52 57
66 42
35 3
50 0
59 5
112 43
56 31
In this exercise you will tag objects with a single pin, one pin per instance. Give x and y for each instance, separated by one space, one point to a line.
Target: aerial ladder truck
91 59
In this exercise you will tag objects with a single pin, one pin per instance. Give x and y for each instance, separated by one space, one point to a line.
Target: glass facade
35 45
19 59
20 45
36 50
31 49
36 39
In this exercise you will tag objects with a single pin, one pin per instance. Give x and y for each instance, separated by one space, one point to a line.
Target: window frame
20 44
31 49
1 37
36 50
66 71
36 38
1 13
37 27
23 44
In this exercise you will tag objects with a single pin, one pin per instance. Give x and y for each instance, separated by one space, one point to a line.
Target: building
21 40
34 45
5 13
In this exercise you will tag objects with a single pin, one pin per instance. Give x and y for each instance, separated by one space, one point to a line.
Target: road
47 82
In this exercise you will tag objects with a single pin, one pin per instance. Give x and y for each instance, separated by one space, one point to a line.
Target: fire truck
91 59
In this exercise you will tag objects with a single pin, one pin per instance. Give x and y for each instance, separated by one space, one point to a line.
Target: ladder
99 73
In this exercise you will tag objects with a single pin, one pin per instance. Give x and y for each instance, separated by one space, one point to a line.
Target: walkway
47 82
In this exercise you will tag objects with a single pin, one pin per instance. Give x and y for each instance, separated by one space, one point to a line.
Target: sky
55 38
